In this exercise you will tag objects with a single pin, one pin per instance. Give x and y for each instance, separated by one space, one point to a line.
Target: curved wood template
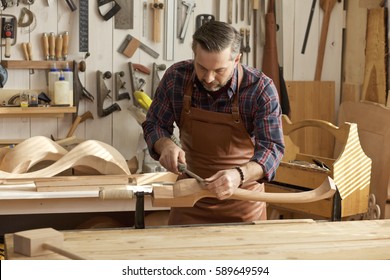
186 192
31 151
92 154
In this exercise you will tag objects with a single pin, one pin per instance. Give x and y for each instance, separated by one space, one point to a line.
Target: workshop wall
120 128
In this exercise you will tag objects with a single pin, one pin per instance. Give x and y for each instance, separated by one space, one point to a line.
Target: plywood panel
312 100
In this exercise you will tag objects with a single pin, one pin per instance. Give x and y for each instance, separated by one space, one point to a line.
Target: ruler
83 26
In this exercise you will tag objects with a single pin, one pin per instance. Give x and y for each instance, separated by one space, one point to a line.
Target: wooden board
312 100
303 239
374 135
354 47
374 83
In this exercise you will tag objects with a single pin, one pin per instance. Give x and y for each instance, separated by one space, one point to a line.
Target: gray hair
216 36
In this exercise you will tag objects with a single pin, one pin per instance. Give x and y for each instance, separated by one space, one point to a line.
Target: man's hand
224 183
170 154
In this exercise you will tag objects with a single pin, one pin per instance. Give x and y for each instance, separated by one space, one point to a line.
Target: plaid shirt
258 104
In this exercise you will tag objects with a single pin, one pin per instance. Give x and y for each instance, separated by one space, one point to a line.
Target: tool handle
7 47
62 252
58 47
29 51
52 45
25 53
65 45
45 46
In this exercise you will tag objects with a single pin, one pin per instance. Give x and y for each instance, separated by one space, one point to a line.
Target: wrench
190 8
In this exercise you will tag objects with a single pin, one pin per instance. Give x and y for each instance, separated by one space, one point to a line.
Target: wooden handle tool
39 242
58 47
65 45
45 46
52 46
25 52
327 6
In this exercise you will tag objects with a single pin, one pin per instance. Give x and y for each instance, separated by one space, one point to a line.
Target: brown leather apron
215 141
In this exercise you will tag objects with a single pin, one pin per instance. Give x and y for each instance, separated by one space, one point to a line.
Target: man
229 119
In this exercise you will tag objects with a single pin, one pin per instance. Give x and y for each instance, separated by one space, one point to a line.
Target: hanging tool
131 44
58 47
71 5
157 7
144 17
155 77
3 76
79 119
52 46
65 45
242 14
202 19
170 29
120 85
255 7
236 11
8 32
247 46
230 11
218 9
27 52
250 10
242 45
327 6
79 91
112 12
124 19
313 6
45 46
190 4
22 21
83 26
102 93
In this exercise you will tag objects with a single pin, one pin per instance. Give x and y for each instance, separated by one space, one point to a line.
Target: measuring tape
83 26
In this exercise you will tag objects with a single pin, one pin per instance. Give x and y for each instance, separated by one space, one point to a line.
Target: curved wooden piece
91 153
340 133
187 192
31 151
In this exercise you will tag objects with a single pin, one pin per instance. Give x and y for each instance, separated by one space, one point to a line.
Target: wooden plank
312 100
306 240
374 83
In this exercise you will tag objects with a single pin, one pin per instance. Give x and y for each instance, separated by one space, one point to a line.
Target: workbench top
271 240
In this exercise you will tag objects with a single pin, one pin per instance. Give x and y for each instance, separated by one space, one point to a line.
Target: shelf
38 64
35 112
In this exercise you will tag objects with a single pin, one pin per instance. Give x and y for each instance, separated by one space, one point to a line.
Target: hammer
38 242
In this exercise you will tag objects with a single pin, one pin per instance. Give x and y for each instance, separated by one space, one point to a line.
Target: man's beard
215 86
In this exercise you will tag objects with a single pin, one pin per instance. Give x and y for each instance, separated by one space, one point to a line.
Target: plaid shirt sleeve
263 121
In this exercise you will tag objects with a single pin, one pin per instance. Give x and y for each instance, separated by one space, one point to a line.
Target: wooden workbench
272 240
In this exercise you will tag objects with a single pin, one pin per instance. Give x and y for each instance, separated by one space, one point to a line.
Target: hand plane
102 93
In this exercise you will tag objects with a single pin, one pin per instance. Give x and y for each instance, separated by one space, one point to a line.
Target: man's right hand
170 154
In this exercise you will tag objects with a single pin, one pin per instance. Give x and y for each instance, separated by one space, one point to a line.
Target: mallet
39 242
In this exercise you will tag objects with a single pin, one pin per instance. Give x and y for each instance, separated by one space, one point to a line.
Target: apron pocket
211 139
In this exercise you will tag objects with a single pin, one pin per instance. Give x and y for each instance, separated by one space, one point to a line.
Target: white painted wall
120 129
